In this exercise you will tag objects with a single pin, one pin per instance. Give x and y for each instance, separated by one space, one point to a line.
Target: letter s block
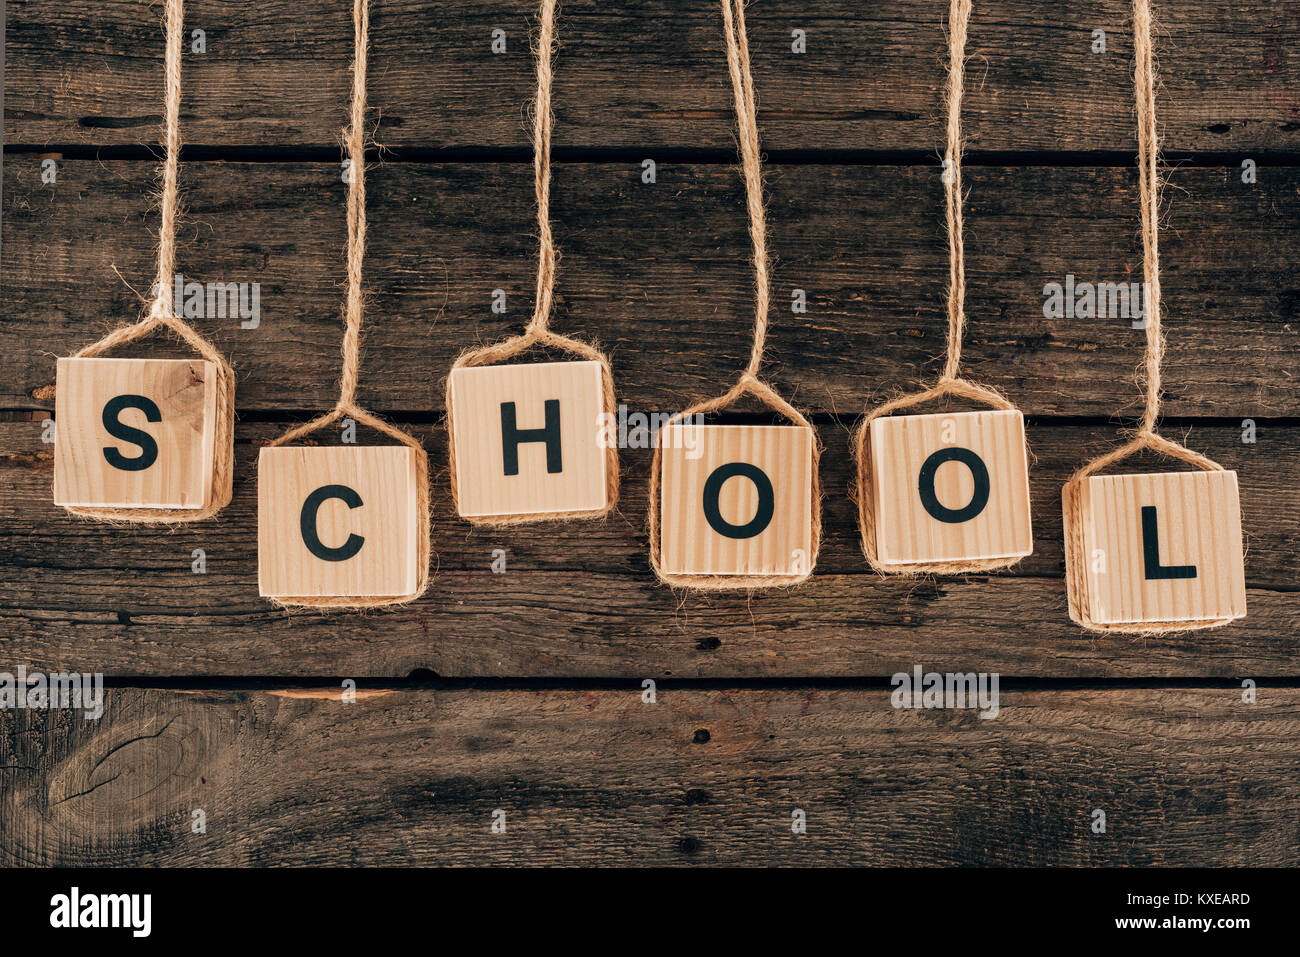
528 439
950 487
338 521
1162 548
134 433
735 500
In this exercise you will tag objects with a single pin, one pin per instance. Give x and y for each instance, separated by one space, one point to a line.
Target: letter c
307 523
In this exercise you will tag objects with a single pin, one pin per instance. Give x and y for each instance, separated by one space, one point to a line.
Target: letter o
979 497
766 500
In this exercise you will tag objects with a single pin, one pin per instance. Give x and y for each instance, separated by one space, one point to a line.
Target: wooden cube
134 433
1162 548
339 521
736 500
950 487
529 439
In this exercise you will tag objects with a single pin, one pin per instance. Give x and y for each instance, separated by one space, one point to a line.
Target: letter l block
1163 547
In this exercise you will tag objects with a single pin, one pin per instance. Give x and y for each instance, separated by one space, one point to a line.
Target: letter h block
134 433
529 440
1161 548
339 522
736 500
949 488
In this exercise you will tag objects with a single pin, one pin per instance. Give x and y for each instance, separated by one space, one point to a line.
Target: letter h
512 437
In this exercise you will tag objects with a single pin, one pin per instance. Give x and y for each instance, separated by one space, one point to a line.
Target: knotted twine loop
742 86
537 332
162 313
950 383
1145 438
354 312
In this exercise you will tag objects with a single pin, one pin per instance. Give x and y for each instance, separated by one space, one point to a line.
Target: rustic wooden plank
583 601
659 274
699 777
652 75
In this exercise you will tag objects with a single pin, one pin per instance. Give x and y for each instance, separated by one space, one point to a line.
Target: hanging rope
959 22
950 383
162 309
742 86
538 331
1146 437
354 313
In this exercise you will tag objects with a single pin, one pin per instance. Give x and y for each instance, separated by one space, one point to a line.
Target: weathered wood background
522 691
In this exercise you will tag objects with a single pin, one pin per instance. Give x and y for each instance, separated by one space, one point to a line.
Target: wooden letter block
950 487
529 439
1162 548
134 433
339 521
735 500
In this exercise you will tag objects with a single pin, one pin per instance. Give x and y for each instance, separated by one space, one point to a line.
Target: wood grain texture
768 528
652 76
1189 776
585 603
1195 527
907 530
659 275
172 402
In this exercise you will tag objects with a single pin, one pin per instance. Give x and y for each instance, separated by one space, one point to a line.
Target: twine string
1149 183
162 306
958 26
1150 180
354 138
162 310
1144 438
950 382
751 164
742 87
543 121
538 331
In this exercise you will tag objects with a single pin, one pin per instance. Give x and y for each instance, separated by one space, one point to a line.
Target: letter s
148 447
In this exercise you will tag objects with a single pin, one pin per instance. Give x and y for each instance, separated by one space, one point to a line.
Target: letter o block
950 487
735 500
1161 548
134 433
338 522
529 439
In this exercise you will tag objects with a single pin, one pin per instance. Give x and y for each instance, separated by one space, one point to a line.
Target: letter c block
1161 548
529 439
338 522
950 487
134 433
735 500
